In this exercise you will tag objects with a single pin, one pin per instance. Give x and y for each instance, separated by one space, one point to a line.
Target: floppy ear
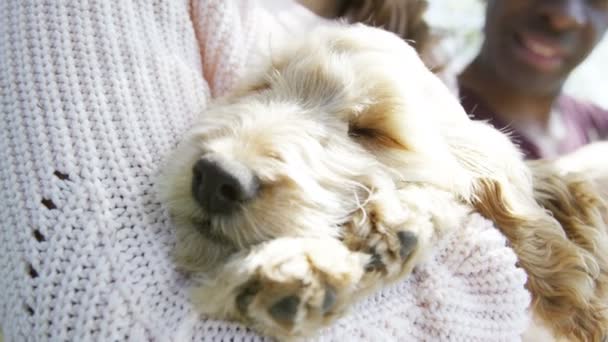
577 199
557 228
589 161
564 266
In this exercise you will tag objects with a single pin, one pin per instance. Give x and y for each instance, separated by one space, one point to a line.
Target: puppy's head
260 168
297 150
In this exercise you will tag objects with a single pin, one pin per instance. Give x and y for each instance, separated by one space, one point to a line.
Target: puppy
335 170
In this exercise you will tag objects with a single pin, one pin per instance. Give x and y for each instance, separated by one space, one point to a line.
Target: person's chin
529 80
530 70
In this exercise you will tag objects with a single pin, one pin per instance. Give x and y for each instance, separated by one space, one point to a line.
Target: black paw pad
408 243
330 299
285 310
244 298
375 263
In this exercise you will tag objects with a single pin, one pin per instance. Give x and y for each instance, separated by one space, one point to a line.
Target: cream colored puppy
331 173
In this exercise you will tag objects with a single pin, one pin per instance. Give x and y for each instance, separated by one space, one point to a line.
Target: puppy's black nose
221 186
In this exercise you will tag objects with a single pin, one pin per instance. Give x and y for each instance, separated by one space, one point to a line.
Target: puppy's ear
578 200
564 262
588 161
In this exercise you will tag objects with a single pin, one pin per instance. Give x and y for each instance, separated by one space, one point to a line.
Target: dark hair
403 17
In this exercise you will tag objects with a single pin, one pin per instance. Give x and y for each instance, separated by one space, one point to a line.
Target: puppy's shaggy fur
575 190
332 172
402 17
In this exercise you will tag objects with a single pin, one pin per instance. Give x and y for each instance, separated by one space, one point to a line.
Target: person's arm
224 39
284 21
243 36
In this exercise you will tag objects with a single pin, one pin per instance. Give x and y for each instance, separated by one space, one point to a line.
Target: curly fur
350 136
406 18
574 189
402 17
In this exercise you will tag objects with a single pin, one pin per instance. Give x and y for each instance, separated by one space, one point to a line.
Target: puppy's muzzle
221 186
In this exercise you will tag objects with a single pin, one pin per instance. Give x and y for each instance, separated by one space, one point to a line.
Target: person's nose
564 15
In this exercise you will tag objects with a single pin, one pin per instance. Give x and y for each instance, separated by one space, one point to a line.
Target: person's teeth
540 49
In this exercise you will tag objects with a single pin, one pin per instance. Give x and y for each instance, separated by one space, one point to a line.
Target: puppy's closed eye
370 135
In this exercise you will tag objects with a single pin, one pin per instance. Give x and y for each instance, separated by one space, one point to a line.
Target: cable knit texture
93 95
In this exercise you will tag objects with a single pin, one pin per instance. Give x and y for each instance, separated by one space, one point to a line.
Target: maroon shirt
584 122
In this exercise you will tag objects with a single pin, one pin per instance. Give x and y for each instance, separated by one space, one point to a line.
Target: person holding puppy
94 95
516 81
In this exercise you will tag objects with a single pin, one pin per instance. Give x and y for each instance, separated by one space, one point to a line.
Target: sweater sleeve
93 96
237 36
587 122
225 31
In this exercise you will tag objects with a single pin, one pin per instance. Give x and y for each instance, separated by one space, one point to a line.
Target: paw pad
375 262
285 310
408 242
330 299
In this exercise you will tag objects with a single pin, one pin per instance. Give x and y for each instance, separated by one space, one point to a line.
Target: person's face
535 44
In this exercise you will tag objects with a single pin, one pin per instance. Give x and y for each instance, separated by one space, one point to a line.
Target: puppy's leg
394 241
288 287
399 227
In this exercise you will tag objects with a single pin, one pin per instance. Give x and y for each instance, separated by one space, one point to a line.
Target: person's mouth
540 53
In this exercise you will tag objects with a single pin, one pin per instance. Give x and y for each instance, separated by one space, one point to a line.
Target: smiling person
516 81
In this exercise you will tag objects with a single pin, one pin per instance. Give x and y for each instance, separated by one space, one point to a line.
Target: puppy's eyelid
355 131
274 155
374 135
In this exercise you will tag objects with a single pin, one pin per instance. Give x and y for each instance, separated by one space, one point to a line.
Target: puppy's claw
408 242
285 310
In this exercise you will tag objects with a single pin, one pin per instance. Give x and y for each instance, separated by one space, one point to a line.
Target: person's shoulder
588 114
572 103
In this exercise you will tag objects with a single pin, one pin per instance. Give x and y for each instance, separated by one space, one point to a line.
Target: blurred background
462 20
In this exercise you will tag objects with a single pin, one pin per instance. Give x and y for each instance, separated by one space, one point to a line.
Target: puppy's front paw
395 243
392 251
300 286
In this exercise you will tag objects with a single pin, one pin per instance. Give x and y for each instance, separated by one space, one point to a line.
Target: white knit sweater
93 95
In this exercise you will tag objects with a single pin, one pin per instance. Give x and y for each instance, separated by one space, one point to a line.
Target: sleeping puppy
335 170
